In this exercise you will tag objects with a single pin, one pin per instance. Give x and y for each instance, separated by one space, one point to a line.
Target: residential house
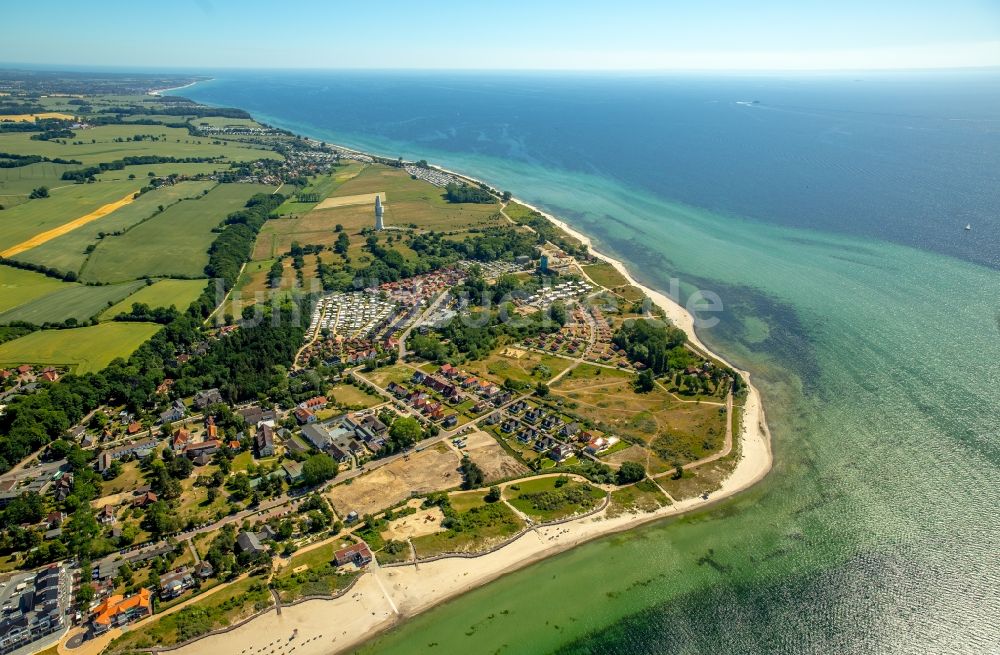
181 440
314 403
561 453
570 429
450 421
358 554
54 519
293 470
203 399
176 412
264 440
175 583
249 542
304 416
205 447
106 515
251 415
545 443
204 569
317 435
144 500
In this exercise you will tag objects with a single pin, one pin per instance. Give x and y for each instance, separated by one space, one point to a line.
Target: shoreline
383 598
160 92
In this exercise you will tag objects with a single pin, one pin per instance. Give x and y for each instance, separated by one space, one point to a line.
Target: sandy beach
384 596
159 92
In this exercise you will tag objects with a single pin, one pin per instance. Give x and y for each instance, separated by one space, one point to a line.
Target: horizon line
157 69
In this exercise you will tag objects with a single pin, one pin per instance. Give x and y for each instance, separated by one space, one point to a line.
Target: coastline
384 597
160 92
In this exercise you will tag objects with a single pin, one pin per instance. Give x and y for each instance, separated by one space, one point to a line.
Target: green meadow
165 293
173 243
68 252
85 350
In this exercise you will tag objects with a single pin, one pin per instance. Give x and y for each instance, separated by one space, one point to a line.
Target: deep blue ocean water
909 158
828 213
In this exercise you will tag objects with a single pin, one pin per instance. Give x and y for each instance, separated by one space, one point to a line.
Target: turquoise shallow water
879 362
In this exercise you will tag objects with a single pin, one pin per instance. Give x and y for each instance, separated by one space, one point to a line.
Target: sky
729 35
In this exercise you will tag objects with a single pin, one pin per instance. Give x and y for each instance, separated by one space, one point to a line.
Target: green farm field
68 252
174 243
142 171
17 183
178 293
99 145
64 204
87 349
19 287
321 185
71 301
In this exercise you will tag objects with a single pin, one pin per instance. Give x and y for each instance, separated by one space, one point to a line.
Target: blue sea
829 213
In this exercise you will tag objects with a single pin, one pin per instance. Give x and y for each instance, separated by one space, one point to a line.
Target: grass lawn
86 350
320 576
68 252
18 287
644 496
242 461
463 501
546 499
178 293
131 478
483 526
71 301
65 203
351 397
174 242
396 373
605 275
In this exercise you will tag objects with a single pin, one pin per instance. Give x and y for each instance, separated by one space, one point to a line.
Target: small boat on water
968 226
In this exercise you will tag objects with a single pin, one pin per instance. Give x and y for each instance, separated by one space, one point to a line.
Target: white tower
378 213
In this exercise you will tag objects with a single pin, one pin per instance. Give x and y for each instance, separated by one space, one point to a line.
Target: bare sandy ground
347 201
426 471
425 521
383 596
491 457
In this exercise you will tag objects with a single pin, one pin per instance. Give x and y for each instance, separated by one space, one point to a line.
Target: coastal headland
452 384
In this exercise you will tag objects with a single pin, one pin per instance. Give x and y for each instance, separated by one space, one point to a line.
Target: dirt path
65 228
